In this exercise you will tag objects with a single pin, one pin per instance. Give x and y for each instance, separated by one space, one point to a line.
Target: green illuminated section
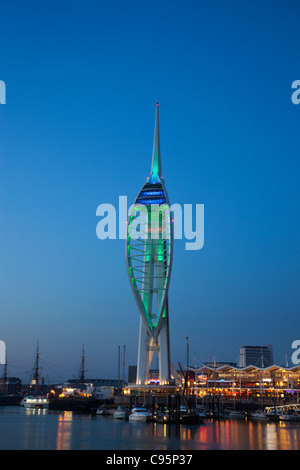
148 258
154 178
156 163
156 160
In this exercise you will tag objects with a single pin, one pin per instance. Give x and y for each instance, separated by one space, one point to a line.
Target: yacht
139 415
35 402
121 412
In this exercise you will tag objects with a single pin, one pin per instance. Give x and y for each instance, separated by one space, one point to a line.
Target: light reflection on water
64 431
49 430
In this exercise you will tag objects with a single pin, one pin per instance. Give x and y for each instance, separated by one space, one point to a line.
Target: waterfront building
230 381
149 249
247 382
10 386
261 356
97 388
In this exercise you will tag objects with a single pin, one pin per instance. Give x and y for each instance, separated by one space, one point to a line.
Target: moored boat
140 414
191 418
258 415
161 417
35 402
103 411
7 400
289 416
121 412
236 414
274 414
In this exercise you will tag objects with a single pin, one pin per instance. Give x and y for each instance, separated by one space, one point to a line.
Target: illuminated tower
149 247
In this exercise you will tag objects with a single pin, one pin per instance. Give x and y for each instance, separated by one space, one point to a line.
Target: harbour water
23 429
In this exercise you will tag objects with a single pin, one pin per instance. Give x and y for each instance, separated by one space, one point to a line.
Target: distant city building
259 356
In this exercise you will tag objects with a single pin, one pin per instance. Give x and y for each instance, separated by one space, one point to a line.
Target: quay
169 405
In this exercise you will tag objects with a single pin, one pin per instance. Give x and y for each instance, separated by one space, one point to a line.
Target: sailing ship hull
10 400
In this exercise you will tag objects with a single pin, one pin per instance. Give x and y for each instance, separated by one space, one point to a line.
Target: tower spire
156 173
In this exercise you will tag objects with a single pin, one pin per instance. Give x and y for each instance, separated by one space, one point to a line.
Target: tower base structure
147 347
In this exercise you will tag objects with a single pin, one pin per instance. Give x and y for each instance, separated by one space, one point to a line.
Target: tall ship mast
36 375
82 370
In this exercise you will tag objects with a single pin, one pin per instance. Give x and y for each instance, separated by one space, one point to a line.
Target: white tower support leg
164 353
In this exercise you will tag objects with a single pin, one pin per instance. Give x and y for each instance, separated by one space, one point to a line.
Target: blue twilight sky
76 131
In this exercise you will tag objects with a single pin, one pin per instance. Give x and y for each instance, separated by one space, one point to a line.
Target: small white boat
121 412
258 415
236 414
140 415
103 411
35 402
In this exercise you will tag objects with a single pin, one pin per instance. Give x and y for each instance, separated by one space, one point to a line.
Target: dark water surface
22 429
